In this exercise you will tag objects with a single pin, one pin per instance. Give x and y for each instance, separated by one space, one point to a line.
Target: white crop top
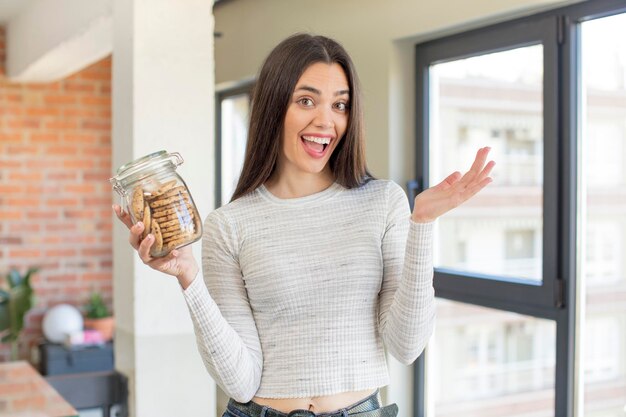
301 296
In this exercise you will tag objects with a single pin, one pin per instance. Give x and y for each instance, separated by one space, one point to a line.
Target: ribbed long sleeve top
301 296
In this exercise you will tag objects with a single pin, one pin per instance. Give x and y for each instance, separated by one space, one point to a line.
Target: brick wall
55 199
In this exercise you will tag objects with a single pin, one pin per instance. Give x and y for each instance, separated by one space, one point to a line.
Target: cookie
167 201
137 204
177 234
172 192
165 187
173 243
157 246
180 211
172 223
182 217
181 227
146 220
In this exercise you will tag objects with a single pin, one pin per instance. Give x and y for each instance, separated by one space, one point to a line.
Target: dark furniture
85 377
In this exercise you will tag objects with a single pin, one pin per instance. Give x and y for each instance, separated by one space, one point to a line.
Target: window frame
558 295
244 87
483 289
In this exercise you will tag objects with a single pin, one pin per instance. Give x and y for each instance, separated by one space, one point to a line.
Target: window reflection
491 100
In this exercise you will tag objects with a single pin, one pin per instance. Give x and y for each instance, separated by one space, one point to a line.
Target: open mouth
315 144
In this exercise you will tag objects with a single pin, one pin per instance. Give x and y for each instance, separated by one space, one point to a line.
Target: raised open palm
454 190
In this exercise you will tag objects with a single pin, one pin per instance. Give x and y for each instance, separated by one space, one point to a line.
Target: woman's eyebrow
318 92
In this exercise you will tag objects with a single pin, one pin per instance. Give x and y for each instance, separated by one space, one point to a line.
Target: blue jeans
370 406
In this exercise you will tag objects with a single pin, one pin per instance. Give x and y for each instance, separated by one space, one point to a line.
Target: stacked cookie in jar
152 192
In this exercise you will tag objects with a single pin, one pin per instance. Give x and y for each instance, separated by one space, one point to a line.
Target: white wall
51 39
163 89
380 37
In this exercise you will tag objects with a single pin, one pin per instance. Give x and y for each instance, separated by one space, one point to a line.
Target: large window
233 109
530 275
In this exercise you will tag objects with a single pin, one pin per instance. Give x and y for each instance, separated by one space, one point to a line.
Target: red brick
10 240
97 201
23 150
96 124
61 124
13 111
10 189
11 214
62 176
60 99
61 150
23 123
24 227
80 188
42 111
97 251
43 189
79 112
95 75
89 176
24 202
99 151
62 278
46 163
51 240
79 214
25 177
61 227
61 252
10 164
78 86
10 137
44 138
24 253
42 215
78 164
104 276
14 98
79 138
95 101
62 202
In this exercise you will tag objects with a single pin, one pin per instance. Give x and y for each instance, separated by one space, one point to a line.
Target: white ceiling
11 8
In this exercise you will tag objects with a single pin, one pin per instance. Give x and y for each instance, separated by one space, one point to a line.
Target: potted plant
98 317
15 301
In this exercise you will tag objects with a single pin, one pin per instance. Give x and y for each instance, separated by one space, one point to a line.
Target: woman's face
316 119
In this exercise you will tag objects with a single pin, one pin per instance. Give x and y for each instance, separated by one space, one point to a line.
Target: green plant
14 304
95 307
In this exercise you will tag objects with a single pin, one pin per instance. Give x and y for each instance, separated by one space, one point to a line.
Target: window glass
602 214
491 100
485 362
234 126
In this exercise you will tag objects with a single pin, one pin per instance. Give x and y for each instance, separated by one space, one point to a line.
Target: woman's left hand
454 190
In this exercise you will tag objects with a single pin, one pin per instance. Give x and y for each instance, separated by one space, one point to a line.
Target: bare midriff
318 405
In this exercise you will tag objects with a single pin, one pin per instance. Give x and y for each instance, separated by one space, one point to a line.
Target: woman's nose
324 119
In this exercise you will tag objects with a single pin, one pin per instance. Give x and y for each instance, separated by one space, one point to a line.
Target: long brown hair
272 93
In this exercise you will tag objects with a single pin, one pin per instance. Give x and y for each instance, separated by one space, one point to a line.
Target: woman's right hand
179 262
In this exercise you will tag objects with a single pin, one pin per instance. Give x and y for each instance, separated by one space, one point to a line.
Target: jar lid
152 160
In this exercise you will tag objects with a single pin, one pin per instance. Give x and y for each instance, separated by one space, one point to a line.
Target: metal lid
155 159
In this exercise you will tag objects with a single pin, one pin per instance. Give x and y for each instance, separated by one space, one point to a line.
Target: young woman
314 267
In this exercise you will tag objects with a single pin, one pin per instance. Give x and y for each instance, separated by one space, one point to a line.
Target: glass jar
152 192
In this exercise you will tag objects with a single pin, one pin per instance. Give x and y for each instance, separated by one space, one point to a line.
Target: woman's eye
342 106
306 102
